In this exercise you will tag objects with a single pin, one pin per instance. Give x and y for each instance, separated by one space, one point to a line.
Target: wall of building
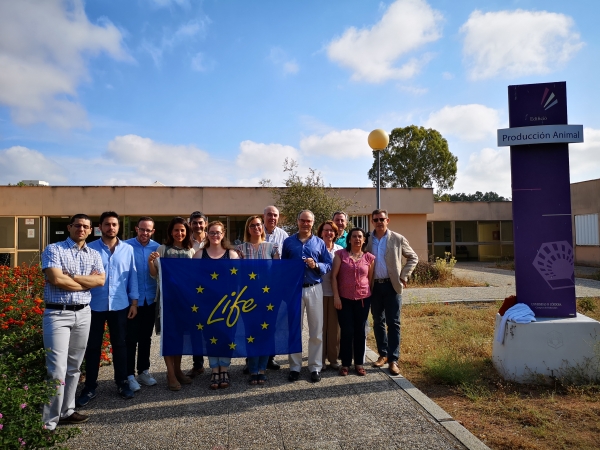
471 211
585 199
414 228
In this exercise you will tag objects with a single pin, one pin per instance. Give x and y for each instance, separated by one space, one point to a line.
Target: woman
216 246
178 245
352 281
328 231
255 247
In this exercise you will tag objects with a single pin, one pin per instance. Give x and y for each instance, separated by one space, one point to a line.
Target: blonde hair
247 228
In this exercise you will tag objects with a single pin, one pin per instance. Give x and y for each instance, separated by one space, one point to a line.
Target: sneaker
133 384
73 419
87 395
124 390
146 379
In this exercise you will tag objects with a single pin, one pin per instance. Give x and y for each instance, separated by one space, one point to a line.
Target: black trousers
139 338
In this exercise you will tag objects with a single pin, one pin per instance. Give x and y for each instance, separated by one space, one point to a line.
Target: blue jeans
257 363
352 319
218 361
385 308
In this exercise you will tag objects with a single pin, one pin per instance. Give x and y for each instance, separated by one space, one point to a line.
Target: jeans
257 363
353 318
218 361
385 308
117 326
65 337
139 337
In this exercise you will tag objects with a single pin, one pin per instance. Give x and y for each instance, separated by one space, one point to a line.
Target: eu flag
231 308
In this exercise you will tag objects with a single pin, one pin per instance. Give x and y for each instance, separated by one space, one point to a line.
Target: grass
446 352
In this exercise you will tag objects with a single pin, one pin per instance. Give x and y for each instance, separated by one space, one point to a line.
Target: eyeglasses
255 225
379 219
80 225
145 230
214 233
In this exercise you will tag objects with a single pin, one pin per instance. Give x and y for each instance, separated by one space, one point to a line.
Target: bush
23 386
430 272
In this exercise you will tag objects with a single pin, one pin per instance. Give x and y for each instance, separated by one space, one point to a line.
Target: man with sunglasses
389 280
140 328
71 269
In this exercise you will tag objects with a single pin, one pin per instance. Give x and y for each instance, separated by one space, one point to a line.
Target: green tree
309 192
478 196
416 157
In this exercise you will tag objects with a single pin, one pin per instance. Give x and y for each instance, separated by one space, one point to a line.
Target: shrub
429 272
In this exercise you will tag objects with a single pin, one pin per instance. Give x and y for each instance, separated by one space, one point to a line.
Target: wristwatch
72 275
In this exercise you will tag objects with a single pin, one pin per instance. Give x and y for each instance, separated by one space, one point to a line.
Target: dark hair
80 216
247 228
187 241
330 223
348 238
380 211
198 215
224 242
106 214
145 218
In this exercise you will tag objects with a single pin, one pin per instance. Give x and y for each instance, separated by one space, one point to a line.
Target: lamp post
378 141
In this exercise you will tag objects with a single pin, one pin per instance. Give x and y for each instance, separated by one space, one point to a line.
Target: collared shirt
276 237
314 248
121 284
67 256
379 252
146 284
341 241
353 276
196 245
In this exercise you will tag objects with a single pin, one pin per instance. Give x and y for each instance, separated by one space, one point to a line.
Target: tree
416 157
308 193
476 197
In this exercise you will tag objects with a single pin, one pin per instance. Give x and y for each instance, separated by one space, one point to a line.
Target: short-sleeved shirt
67 256
265 250
353 276
276 237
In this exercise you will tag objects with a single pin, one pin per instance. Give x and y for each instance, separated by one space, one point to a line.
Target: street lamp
378 141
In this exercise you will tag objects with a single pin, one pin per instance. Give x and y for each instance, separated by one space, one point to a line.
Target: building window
360 222
586 229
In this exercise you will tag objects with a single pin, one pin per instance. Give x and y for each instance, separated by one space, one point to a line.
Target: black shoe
124 391
73 419
315 377
246 370
293 376
272 365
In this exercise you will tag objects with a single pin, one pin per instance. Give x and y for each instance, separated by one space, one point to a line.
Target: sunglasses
379 219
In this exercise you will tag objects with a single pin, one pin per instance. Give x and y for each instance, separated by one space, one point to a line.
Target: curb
439 415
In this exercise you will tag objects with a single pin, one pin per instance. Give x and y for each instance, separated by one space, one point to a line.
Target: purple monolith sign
541 199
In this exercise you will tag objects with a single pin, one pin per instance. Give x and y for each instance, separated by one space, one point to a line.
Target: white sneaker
133 384
146 379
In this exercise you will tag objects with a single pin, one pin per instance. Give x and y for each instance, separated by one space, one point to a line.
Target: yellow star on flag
214 275
213 340
266 289
200 290
250 340
233 271
195 308
200 326
252 276
232 346
270 307
264 325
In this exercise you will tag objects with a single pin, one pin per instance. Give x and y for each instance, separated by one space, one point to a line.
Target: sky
220 93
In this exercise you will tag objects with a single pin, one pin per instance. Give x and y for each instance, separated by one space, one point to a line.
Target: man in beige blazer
390 278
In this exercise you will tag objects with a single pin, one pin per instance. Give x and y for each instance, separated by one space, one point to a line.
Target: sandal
253 379
214 380
262 378
173 386
360 371
343 371
183 379
224 383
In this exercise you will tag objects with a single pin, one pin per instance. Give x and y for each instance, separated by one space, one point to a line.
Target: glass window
29 258
6 258
506 227
429 232
7 232
466 231
441 232
29 233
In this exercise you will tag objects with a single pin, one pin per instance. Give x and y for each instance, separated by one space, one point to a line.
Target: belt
64 306
305 285
382 280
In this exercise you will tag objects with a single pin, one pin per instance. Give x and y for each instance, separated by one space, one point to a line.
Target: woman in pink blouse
352 280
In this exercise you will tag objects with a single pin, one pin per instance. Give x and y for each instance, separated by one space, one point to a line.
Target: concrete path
501 284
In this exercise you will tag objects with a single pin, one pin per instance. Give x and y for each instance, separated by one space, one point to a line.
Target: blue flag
231 308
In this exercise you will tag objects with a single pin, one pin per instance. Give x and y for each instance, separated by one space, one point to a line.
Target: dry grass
446 352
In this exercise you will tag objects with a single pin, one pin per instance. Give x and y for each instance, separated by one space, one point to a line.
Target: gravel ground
337 413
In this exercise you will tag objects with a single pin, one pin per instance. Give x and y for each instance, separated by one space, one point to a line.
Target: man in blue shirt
140 328
115 303
310 248
340 218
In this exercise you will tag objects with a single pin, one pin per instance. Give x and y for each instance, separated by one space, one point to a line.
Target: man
115 303
139 329
71 269
390 278
276 236
310 248
198 223
340 218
